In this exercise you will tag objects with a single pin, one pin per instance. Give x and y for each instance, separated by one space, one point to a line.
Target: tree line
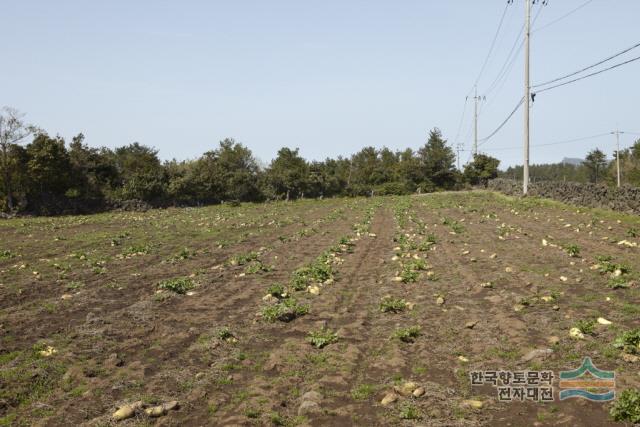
48 176
596 168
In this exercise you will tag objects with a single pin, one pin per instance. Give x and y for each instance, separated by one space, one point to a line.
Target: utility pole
527 96
476 99
475 122
617 134
458 149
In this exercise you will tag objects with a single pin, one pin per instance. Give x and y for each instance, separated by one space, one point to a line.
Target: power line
464 110
503 123
562 17
567 141
590 66
505 71
493 43
589 75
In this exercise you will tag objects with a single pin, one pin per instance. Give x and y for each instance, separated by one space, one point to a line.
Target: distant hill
572 161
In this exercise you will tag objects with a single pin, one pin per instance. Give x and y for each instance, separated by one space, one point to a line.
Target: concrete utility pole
527 96
458 150
475 122
617 134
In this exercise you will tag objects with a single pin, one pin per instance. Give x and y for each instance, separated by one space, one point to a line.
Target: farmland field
311 312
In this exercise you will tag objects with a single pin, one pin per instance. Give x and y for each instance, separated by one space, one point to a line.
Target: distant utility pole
527 96
475 122
476 98
458 150
617 134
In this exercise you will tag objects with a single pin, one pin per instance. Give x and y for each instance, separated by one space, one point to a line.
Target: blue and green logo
588 382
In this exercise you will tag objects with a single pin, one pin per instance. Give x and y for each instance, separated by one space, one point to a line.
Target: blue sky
329 77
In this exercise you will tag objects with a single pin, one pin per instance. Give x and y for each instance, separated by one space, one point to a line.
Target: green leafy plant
224 334
633 232
242 259
409 411
627 406
136 250
257 267
392 305
182 255
407 335
180 285
407 275
284 311
629 341
6 254
276 290
607 266
572 250
322 338
363 391
618 283
586 326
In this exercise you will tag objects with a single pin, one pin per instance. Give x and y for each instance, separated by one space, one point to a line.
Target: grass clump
392 305
322 338
180 285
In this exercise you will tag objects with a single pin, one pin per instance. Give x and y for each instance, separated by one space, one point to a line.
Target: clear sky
326 76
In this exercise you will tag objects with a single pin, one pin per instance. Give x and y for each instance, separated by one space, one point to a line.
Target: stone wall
624 199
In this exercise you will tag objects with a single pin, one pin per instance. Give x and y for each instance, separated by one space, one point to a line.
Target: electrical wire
464 111
483 140
493 44
567 141
562 17
589 67
589 75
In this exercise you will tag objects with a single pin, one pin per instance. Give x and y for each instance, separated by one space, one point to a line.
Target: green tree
595 162
437 162
140 173
288 175
13 130
49 170
481 169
